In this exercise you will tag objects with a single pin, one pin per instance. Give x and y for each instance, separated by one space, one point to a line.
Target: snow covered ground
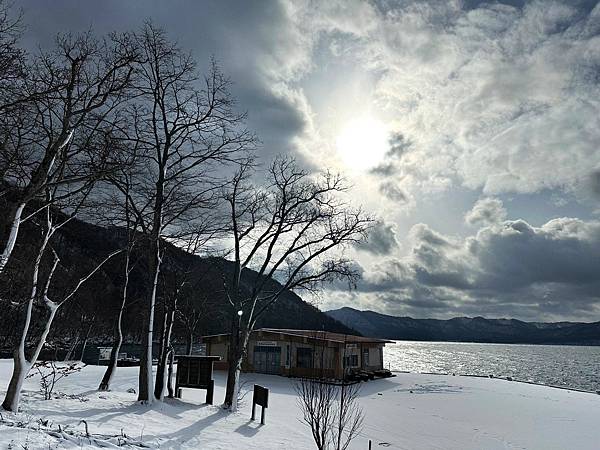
410 411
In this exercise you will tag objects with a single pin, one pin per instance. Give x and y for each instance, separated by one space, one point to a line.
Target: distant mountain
465 329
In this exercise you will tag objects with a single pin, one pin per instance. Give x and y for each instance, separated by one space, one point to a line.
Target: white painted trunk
12 237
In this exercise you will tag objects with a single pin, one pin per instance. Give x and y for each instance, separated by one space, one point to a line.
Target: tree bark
14 213
188 343
235 358
170 374
21 366
161 370
114 353
145 377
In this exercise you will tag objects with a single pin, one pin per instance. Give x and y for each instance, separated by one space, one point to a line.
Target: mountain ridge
468 329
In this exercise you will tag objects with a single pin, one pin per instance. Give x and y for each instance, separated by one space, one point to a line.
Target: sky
470 129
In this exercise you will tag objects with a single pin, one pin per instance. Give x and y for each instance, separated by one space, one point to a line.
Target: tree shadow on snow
193 430
249 428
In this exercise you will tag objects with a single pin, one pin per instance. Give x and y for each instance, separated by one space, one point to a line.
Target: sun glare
362 143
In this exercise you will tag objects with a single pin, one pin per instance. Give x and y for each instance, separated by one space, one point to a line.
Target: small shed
303 353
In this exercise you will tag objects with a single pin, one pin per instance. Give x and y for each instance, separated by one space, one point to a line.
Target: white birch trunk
21 366
146 394
12 236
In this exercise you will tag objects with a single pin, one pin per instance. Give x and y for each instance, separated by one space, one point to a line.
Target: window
287 355
351 361
304 357
366 358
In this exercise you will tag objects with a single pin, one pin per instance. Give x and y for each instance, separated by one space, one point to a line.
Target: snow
409 411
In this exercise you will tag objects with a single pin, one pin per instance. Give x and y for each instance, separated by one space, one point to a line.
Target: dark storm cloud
254 43
511 269
381 241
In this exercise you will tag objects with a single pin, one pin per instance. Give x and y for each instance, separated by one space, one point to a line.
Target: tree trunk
85 341
13 214
189 342
161 370
20 370
21 365
145 377
235 357
72 348
170 374
114 353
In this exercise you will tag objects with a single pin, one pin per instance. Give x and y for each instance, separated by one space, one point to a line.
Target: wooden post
369 444
262 415
253 411
210 390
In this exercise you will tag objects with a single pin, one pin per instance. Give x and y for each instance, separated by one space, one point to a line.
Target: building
303 353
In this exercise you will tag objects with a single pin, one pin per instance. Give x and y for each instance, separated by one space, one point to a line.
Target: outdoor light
240 312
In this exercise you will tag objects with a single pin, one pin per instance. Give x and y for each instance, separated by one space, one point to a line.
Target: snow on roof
316 334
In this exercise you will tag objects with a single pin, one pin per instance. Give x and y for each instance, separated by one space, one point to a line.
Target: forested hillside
95 307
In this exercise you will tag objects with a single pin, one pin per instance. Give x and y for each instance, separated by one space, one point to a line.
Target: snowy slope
410 411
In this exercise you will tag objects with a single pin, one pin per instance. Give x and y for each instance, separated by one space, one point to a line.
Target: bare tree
190 313
331 411
131 230
294 231
185 127
40 293
56 135
12 58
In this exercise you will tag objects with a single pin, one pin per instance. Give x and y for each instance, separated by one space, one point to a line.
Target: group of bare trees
126 130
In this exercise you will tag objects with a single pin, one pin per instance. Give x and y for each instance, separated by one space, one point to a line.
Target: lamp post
239 328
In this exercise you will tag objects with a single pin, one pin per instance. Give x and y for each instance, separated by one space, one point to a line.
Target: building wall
326 360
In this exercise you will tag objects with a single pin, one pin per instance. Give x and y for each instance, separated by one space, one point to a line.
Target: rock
509 379
131 390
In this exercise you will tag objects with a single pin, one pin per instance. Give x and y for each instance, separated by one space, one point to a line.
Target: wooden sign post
261 398
196 372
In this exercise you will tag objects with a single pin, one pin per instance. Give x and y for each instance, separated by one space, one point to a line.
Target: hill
465 329
94 309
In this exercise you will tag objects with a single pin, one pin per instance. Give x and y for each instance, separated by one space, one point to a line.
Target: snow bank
410 411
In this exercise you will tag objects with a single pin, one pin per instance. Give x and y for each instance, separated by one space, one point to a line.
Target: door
267 359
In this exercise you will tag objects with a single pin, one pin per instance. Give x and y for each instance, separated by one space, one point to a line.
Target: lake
558 365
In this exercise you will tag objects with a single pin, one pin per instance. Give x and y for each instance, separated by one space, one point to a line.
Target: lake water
568 366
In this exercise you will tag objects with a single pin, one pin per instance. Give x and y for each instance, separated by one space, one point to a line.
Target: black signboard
261 398
195 372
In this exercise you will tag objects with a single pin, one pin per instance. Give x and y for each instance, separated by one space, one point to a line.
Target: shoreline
492 377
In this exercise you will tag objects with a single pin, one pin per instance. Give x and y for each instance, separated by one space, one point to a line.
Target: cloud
392 191
262 50
491 96
382 239
486 211
505 269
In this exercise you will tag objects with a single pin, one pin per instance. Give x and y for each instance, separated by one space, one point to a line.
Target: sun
362 143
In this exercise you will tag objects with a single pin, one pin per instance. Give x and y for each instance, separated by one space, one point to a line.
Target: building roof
317 335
